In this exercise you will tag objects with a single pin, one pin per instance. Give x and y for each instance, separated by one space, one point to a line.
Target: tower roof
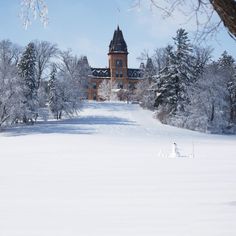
118 43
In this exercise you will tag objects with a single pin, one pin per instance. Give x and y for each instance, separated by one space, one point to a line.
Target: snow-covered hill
107 173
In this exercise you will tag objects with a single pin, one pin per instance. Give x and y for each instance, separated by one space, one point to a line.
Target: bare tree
225 9
159 58
45 51
201 57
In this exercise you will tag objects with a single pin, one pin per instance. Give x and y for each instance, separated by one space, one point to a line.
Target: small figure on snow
175 151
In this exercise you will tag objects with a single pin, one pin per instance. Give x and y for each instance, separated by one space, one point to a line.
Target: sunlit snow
105 173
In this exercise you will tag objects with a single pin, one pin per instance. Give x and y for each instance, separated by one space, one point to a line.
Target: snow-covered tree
104 90
232 91
27 73
83 71
150 69
226 61
45 52
192 94
159 59
209 109
173 81
10 90
25 92
145 94
183 57
110 91
76 70
55 94
30 9
226 64
201 58
72 79
167 87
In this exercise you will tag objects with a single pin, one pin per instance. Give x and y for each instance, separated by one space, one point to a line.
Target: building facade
117 71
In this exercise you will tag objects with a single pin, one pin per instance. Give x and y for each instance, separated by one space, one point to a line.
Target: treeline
186 88
39 80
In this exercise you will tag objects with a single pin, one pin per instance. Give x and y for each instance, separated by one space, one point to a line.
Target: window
119 66
94 85
117 72
120 85
119 63
95 96
86 96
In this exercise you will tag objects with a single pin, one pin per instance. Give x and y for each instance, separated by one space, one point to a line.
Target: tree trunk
226 9
212 112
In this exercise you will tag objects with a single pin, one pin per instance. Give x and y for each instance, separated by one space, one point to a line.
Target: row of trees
37 78
188 89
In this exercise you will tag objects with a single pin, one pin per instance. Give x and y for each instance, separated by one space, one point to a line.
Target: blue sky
87 26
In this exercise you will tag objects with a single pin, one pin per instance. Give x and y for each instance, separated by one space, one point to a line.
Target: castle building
117 71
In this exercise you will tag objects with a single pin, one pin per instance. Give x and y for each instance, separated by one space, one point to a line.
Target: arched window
119 66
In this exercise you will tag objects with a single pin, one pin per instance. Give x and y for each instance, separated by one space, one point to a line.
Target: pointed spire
118 43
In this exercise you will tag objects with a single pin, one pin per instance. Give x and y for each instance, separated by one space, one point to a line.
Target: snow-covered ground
107 173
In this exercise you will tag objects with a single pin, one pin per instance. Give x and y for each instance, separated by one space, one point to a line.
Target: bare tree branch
31 9
203 11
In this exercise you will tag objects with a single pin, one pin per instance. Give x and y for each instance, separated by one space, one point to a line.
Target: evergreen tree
173 81
55 103
182 62
226 61
27 73
149 70
183 49
167 87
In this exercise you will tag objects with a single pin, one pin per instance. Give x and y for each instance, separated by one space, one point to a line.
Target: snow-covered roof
101 72
104 73
135 73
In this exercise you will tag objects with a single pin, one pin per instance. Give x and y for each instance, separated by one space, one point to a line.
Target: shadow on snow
110 106
67 126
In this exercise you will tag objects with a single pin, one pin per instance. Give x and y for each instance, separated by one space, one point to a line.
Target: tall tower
118 59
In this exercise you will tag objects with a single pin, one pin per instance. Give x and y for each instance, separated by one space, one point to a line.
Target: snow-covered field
107 173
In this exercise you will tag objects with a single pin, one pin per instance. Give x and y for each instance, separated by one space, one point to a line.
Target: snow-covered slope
107 173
